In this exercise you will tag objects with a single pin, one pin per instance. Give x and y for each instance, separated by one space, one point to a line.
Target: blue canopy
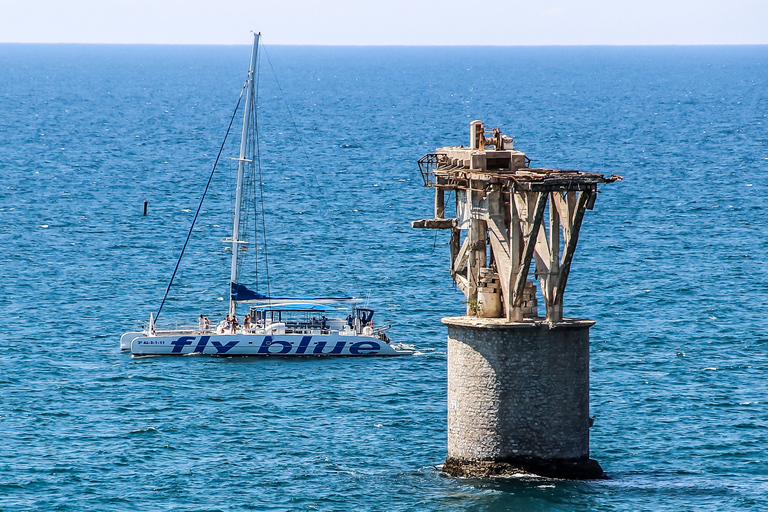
294 306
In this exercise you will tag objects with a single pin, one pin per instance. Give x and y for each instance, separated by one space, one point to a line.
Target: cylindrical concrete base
518 398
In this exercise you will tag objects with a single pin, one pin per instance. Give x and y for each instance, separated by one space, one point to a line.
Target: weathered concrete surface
587 469
518 398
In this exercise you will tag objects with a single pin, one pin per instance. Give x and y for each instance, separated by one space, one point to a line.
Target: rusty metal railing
427 166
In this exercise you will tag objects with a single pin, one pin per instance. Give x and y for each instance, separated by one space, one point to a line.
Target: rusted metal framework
508 215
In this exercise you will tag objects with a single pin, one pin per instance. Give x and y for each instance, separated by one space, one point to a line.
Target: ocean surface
671 264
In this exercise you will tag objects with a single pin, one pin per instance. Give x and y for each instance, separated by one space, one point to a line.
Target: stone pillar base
518 398
587 469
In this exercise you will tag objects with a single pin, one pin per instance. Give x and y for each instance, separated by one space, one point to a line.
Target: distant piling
518 384
145 207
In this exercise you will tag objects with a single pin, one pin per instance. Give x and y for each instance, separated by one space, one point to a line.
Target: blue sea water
671 264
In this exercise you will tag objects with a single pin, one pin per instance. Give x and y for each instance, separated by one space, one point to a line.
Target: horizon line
390 45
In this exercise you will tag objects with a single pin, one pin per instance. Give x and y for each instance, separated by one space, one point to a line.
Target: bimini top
293 306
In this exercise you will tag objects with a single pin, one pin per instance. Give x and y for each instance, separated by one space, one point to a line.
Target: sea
671 264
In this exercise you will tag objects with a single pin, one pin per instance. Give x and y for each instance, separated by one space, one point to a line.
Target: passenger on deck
235 325
350 321
247 322
324 321
207 324
223 326
201 324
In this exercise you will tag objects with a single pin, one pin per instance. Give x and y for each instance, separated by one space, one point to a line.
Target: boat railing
170 330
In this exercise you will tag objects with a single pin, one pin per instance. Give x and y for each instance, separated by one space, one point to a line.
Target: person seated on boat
207 323
224 326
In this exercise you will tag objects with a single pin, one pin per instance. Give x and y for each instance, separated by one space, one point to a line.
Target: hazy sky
387 22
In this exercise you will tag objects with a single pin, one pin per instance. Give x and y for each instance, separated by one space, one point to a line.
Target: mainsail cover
241 293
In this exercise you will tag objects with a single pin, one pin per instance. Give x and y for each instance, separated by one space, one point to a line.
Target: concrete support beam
439 203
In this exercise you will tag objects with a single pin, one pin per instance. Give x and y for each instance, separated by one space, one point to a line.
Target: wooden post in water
518 384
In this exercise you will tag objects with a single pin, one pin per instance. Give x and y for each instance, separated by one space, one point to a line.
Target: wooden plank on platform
434 224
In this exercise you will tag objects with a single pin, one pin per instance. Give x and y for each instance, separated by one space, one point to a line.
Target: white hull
127 338
262 345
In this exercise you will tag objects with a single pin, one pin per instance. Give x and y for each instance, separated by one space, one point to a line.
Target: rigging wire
207 185
303 150
261 183
251 185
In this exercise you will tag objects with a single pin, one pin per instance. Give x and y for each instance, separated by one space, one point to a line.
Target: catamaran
273 326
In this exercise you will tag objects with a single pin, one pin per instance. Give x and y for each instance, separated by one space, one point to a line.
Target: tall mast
241 162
